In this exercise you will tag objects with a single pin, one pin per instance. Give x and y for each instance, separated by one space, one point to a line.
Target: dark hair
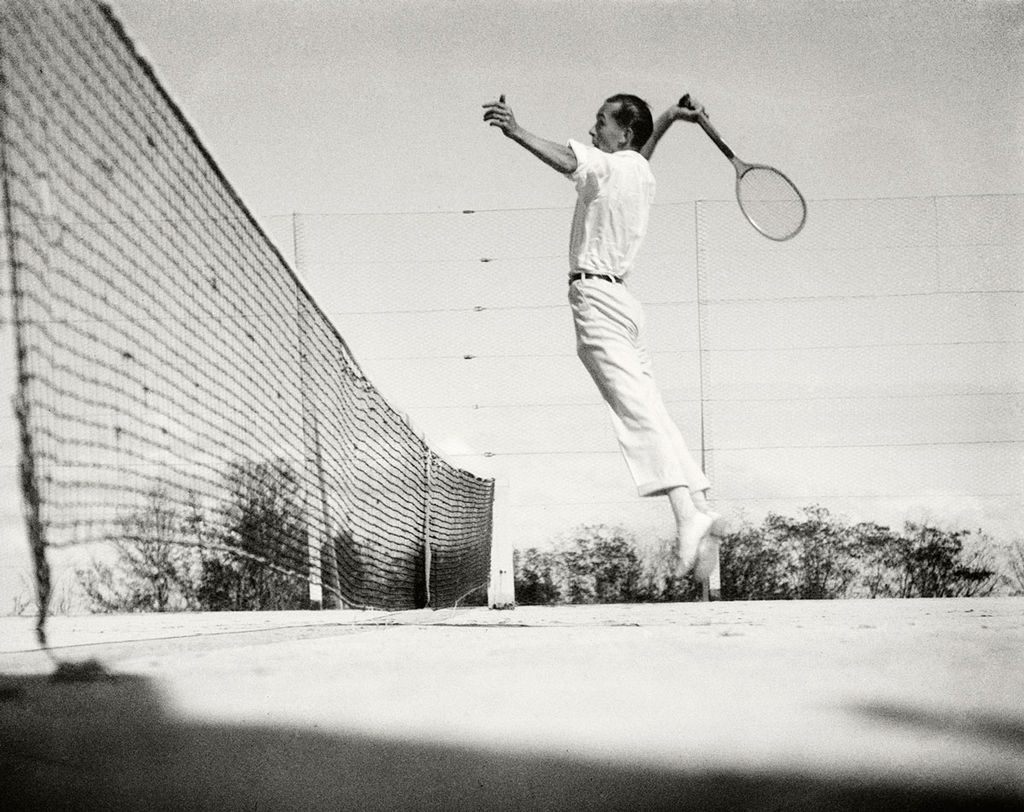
634 114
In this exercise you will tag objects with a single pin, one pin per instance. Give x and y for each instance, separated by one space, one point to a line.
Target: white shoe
691 539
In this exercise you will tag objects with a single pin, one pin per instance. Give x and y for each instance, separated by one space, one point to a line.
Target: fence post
711 589
310 438
427 553
501 591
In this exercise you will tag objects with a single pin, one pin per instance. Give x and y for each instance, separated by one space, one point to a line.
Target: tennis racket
768 199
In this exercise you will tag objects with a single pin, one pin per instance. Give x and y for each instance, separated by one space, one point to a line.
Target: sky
330 117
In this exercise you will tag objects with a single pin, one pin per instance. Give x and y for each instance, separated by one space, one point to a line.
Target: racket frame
742 167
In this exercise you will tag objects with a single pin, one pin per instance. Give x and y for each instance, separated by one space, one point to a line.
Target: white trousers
609 321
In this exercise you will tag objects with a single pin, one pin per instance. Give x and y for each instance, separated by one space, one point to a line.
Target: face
606 134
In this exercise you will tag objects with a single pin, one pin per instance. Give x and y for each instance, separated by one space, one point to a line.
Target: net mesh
167 354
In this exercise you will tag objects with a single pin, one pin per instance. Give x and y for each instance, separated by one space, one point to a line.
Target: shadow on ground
986 728
111 743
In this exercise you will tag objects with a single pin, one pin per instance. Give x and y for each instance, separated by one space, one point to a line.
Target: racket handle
711 131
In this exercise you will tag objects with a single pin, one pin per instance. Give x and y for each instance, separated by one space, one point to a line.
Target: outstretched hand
557 156
499 114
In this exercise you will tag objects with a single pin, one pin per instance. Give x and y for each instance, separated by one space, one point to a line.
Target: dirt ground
762 705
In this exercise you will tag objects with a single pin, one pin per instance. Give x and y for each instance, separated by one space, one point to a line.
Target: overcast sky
374 106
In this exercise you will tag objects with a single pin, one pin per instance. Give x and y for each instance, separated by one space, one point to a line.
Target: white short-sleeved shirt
614 196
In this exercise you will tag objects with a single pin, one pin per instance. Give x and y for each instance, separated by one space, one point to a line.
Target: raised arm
665 120
557 156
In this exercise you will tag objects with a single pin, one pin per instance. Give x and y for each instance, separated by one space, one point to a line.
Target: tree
752 567
536 577
821 550
1015 562
875 544
661 581
819 556
601 564
249 555
263 528
154 569
931 563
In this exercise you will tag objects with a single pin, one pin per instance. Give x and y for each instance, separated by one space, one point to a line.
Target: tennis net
176 382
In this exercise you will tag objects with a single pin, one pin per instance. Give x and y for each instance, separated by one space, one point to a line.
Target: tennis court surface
911 704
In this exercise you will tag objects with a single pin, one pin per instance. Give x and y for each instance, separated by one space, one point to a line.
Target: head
623 122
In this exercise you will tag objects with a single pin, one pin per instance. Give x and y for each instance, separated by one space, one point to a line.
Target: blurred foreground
909 704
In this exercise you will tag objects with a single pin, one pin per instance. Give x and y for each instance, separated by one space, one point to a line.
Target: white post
501 593
712 588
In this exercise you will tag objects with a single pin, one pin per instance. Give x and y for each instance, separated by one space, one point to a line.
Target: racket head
770 201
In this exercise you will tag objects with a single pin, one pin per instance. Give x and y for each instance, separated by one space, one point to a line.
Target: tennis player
615 189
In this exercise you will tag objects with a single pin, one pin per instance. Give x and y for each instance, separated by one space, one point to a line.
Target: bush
932 563
813 556
153 569
755 566
600 564
263 522
249 558
820 557
1015 563
537 577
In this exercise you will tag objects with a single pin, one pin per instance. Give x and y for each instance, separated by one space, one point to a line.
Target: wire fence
884 343
874 364
167 354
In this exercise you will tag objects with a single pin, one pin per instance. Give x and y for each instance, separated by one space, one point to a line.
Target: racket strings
771 202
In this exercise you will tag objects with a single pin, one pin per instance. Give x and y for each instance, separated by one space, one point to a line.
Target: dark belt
607 277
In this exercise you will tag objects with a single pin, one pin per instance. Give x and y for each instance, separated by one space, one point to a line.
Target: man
615 189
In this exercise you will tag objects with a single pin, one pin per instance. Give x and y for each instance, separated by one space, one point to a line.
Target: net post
711 587
314 539
501 591
316 595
